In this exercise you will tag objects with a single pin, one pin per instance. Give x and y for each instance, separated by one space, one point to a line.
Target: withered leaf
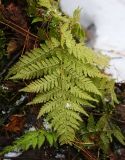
16 124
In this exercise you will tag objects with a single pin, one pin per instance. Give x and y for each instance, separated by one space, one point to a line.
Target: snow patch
46 124
12 154
60 156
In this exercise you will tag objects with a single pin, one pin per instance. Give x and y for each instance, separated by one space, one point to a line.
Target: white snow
60 156
46 124
107 19
12 154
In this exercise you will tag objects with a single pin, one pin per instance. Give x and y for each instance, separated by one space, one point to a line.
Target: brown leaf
16 124
112 156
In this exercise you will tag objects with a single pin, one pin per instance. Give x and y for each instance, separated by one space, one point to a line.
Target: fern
64 73
101 133
32 139
107 130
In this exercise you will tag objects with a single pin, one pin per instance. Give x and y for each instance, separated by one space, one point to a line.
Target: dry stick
25 43
19 29
86 153
79 142
91 157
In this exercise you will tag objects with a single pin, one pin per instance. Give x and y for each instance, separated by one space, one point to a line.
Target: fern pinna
65 75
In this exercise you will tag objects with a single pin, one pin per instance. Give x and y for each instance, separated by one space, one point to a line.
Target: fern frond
43 84
81 94
80 101
36 55
87 85
68 121
92 71
49 107
37 70
77 108
44 97
31 139
65 75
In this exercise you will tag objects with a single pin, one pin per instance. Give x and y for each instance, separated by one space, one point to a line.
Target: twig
19 29
85 152
25 43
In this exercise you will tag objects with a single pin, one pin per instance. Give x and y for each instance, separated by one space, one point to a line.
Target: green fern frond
28 59
64 118
44 97
32 139
65 75
43 84
70 81
81 94
68 122
87 85
92 71
38 69
49 107
80 101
